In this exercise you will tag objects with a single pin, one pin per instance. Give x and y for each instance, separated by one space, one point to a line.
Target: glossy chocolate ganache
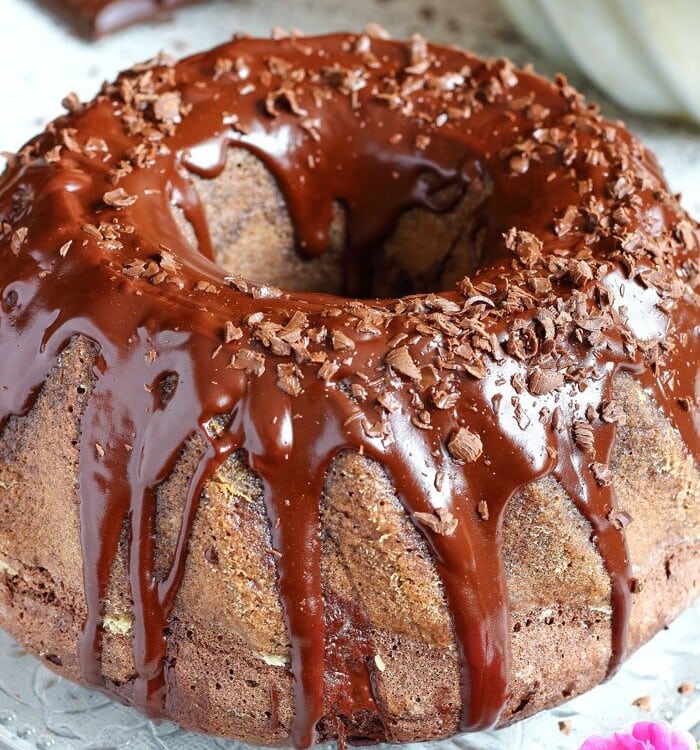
581 266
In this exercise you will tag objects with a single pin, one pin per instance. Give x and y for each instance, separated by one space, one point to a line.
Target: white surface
39 63
643 53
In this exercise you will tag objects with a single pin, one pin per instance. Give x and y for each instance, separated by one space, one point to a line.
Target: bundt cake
349 389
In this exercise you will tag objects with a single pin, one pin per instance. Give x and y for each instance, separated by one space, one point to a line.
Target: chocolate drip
597 504
293 472
588 269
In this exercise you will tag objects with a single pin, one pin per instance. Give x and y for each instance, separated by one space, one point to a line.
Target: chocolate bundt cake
349 389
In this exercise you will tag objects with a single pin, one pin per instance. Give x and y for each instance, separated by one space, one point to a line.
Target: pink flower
646 735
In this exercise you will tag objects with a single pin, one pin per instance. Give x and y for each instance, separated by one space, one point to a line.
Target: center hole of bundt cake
252 236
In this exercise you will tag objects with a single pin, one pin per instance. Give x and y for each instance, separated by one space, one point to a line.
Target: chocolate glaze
97 18
600 277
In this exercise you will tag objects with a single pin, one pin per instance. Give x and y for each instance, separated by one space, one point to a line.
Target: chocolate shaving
564 224
441 522
541 382
288 379
341 341
643 703
328 369
525 245
584 436
167 107
465 445
401 361
232 332
71 103
19 237
249 361
119 198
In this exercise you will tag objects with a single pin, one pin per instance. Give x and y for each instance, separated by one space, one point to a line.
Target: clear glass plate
40 711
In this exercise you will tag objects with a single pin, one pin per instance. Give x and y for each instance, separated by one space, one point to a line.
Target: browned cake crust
392 667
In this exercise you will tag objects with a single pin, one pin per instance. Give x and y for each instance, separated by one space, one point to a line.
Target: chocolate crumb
643 703
686 688
602 474
422 141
